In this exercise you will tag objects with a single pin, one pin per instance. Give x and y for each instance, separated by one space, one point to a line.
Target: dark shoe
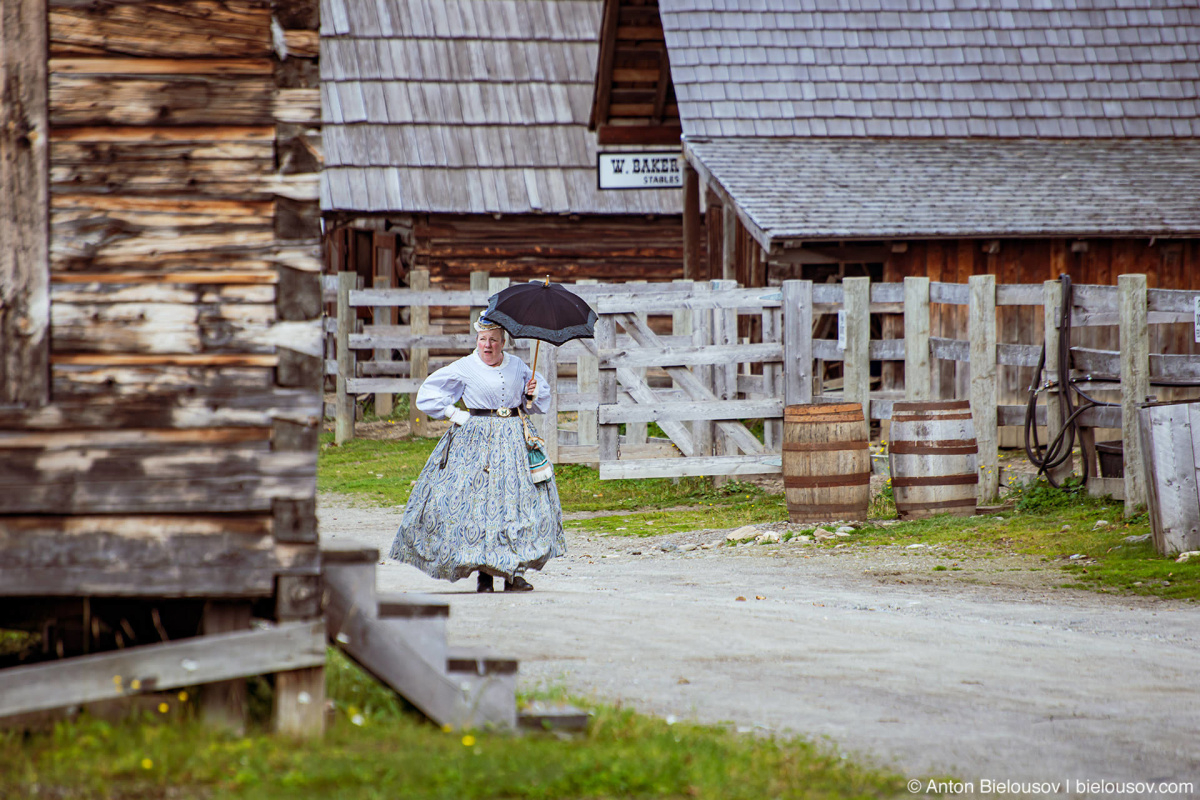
484 584
518 584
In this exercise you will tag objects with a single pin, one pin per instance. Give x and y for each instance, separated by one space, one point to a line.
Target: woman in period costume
474 507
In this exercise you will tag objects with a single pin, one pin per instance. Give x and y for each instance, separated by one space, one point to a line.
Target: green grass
377 750
1053 525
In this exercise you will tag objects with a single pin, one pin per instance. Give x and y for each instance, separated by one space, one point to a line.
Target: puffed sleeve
441 391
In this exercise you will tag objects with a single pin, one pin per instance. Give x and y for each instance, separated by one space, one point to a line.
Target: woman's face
491 346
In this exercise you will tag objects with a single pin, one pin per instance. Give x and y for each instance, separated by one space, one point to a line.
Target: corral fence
671 354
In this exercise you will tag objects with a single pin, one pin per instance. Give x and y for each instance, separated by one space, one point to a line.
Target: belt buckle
503 412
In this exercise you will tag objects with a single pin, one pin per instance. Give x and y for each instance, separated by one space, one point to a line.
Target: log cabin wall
177 455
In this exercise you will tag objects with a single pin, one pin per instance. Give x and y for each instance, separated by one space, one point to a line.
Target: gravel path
988 673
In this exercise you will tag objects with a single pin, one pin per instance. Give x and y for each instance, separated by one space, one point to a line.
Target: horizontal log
384 298
181 100
138 439
242 408
161 328
751 299
297 106
690 410
188 662
190 29
194 277
77 382
89 249
153 135
86 295
383 385
690 467
690 356
162 66
174 359
874 308
147 555
302 43
147 153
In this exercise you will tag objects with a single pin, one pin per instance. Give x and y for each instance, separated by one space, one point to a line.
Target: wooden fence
670 353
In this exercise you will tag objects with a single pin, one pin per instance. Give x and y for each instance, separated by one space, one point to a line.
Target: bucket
826 463
1112 458
934 459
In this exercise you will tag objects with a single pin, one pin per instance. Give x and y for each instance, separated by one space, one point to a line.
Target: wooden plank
86 100
690 467
691 224
344 422
752 300
1135 383
549 425
724 355
1055 405
356 386
415 296
1174 474
223 703
24 206
772 328
372 338
917 377
190 29
159 667
382 315
1020 355
797 341
949 293
587 369
643 394
857 361
1019 294
944 349
729 226
678 412
981 330
1179 301
607 435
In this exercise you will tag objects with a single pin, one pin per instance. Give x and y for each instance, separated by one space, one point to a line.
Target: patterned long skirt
481 511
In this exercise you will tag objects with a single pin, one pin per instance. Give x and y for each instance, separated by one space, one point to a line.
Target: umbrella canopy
541 310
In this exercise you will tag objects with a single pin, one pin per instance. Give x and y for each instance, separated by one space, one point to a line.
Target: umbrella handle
536 348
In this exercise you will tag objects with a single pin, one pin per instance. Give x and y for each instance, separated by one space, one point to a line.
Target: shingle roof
822 188
464 106
955 68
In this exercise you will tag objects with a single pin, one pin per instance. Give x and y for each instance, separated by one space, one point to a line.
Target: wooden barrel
826 463
934 458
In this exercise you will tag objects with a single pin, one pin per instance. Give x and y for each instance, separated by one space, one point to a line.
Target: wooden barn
1009 139
457 140
159 375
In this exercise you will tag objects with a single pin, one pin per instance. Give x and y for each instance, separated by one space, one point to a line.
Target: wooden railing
716 378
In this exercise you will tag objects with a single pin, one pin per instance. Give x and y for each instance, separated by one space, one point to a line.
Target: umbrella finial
547 280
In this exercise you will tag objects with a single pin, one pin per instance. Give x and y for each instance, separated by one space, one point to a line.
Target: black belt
493 412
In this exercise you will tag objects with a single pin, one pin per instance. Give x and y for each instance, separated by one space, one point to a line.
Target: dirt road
984 674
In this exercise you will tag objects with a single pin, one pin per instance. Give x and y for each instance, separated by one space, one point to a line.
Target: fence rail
698 381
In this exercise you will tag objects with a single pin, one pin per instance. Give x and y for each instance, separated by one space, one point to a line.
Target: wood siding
184 272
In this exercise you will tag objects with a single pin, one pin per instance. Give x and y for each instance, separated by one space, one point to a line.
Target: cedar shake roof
956 68
839 188
464 106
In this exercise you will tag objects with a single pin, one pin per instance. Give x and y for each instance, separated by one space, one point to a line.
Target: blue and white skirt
482 511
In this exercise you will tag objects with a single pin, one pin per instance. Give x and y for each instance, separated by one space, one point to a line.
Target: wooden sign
640 170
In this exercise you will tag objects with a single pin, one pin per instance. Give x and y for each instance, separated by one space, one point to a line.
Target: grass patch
1059 527
377 750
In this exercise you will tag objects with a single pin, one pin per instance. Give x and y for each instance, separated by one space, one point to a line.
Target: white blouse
479 386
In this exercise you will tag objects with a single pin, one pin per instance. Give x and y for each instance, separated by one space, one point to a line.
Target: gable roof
993 68
464 106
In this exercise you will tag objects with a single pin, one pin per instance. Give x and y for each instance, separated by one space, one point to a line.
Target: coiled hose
1061 448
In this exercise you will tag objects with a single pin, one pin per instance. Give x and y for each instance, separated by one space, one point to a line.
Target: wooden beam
604 67
152 668
1135 383
917 377
691 467
691 223
665 134
24 205
223 703
981 331
664 83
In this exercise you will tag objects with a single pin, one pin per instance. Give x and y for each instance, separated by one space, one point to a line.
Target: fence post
729 225
344 415
382 315
549 362
1135 382
586 383
797 342
637 432
418 281
856 368
981 331
1052 293
479 283
917 377
606 384
772 381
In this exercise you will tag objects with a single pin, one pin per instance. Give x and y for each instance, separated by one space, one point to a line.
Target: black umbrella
543 311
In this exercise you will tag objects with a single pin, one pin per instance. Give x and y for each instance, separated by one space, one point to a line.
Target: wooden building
457 140
159 324
1013 139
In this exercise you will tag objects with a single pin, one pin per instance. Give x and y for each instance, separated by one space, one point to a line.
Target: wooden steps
401 640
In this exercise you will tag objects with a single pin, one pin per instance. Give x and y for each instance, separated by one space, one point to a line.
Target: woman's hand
531 387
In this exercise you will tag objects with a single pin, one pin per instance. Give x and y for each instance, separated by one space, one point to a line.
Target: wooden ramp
401 640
